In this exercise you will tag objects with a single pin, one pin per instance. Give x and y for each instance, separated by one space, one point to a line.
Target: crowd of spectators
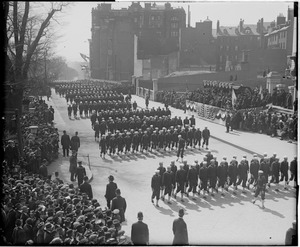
274 124
222 97
39 209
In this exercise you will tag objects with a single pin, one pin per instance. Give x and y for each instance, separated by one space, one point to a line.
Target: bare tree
27 33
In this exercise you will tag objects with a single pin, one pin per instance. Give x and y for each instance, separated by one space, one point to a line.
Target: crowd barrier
212 113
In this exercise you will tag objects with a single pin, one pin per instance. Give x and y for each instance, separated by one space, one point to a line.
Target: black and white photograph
149 123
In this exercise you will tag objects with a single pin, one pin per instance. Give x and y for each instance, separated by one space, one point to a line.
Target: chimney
218 26
258 27
280 20
189 16
147 5
241 28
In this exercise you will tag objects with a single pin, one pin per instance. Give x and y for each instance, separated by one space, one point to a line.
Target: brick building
233 44
198 46
112 50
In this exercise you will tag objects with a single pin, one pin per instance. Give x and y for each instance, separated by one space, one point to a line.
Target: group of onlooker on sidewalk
222 98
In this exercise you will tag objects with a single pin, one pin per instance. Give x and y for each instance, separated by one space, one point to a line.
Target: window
227 48
152 17
158 34
174 34
174 18
236 57
135 19
221 58
221 47
174 25
236 47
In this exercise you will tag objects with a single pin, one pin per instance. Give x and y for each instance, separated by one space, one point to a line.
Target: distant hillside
77 66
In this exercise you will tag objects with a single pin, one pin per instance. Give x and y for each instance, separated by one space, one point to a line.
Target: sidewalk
246 141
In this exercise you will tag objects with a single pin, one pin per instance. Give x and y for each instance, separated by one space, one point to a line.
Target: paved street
220 220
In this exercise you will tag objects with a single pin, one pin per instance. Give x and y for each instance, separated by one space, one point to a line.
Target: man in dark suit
119 203
75 142
80 173
140 231
65 142
85 187
110 190
180 230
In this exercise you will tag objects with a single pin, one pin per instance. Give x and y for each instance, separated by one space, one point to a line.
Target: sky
75 27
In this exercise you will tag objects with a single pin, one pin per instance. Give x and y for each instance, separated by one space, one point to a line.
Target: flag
260 92
85 57
233 98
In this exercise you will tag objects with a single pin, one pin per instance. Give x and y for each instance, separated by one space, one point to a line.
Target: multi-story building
233 44
112 45
198 48
280 35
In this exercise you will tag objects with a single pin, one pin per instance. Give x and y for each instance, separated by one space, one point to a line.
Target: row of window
227 47
228 58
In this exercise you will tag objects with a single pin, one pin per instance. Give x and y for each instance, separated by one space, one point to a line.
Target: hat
116 211
115 221
111 177
254 155
76 225
49 226
260 172
140 215
156 171
181 212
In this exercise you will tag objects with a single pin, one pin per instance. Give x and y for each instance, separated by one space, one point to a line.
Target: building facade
280 35
198 49
233 45
157 28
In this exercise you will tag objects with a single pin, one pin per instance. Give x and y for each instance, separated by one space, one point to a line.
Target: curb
236 146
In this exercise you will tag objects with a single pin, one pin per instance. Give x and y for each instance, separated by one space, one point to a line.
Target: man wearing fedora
110 190
180 230
140 231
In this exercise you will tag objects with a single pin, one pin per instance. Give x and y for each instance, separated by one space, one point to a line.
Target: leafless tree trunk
24 46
